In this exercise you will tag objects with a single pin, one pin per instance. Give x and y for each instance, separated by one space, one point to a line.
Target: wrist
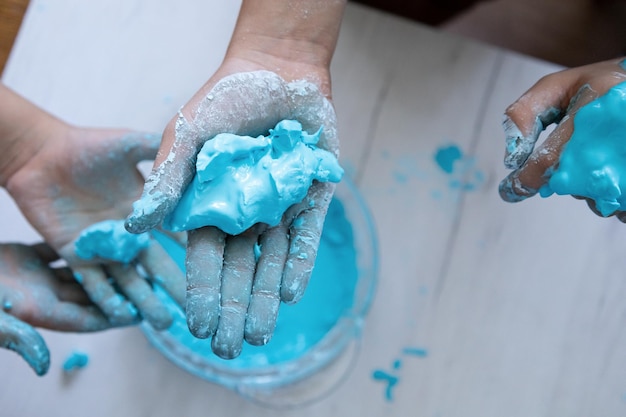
295 39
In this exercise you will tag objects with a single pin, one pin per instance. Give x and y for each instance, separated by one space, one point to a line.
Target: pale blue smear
75 360
328 297
593 162
415 352
241 180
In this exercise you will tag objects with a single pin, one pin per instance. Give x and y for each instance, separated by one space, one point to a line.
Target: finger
140 293
205 257
265 298
535 172
163 270
118 310
70 317
167 181
543 104
237 276
23 339
306 231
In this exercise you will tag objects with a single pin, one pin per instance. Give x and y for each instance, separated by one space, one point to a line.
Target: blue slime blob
328 297
75 360
447 156
593 162
110 240
241 180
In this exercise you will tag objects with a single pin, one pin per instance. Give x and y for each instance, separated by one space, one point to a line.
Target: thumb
22 338
167 181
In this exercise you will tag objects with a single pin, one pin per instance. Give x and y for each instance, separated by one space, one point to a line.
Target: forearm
22 131
288 34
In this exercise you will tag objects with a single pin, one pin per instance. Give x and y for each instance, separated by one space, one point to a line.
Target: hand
229 295
556 98
34 294
78 177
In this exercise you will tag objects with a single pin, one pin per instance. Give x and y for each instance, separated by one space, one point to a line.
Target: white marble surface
520 307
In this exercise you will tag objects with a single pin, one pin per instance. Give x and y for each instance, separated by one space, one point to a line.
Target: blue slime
241 180
110 240
328 297
593 162
75 360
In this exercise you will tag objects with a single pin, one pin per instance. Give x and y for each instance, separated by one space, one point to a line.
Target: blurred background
565 32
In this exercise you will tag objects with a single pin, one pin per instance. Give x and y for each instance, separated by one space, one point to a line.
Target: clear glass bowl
322 367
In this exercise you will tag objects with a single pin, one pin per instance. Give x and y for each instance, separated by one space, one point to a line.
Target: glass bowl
314 373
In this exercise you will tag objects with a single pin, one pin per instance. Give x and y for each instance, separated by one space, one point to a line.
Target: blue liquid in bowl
316 340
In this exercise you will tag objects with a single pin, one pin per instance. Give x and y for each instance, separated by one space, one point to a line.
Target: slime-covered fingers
562 98
585 156
109 244
593 163
118 310
545 103
528 180
140 293
162 271
242 182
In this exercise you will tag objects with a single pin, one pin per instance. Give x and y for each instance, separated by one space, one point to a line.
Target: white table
520 308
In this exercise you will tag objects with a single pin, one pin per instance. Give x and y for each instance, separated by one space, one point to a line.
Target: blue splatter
464 175
391 381
447 156
392 378
75 360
